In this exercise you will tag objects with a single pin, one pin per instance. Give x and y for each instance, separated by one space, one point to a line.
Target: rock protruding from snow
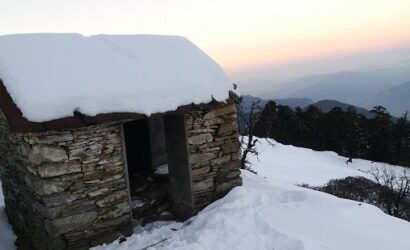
49 76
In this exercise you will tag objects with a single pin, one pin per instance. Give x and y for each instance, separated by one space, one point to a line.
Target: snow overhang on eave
18 123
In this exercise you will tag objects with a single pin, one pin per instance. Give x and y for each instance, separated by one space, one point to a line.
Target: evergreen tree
346 132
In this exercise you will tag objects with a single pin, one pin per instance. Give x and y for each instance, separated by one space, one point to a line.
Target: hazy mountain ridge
327 105
395 99
366 88
247 101
323 105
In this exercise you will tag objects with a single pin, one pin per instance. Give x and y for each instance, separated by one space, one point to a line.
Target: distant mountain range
327 105
323 105
247 101
388 86
395 99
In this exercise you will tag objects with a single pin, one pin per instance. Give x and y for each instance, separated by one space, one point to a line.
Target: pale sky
239 35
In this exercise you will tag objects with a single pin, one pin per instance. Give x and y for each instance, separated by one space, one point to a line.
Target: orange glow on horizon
237 34
254 57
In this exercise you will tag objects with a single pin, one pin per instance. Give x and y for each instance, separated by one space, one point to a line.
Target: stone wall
69 189
65 189
213 145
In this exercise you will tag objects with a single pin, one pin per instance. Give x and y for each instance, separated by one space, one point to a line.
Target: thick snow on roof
49 76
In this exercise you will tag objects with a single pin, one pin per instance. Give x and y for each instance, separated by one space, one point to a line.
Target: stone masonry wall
213 145
69 189
65 189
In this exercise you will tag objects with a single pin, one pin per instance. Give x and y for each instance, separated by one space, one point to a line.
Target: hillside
327 105
247 101
362 87
270 212
324 105
294 102
395 99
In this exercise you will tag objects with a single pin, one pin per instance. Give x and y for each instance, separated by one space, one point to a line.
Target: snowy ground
7 237
295 165
270 212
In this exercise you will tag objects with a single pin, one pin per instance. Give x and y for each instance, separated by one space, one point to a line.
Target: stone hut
84 159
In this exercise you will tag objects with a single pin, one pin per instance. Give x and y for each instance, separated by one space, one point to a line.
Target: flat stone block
52 170
47 153
225 129
45 187
67 224
113 199
200 139
230 147
201 157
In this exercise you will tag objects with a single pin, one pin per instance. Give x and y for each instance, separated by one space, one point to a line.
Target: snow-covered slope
270 212
273 215
296 165
50 76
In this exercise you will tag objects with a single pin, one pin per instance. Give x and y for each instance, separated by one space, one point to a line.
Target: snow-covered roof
49 76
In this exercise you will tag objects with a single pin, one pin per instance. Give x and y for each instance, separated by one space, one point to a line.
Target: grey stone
200 171
233 174
200 131
118 210
237 155
35 158
114 222
225 129
113 199
69 177
29 168
214 121
221 159
66 209
47 153
230 147
51 139
209 115
24 149
60 226
98 191
203 185
52 170
96 148
45 187
62 198
228 109
200 139
234 164
201 157
228 185
75 153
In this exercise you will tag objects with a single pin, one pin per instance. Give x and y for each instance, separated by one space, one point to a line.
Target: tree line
346 132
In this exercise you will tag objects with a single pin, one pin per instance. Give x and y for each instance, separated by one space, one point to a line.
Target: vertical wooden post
178 163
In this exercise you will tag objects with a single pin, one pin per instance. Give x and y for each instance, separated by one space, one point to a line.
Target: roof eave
18 123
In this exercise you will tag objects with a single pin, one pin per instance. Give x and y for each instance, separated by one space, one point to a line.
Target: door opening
137 145
158 169
145 150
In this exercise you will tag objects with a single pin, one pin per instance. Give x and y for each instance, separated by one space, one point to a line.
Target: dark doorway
137 144
146 155
158 168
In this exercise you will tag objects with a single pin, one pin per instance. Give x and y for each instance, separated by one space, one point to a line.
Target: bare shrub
396 194
248 140
389 192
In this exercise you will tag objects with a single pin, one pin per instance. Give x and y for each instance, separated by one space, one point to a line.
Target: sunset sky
240 35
